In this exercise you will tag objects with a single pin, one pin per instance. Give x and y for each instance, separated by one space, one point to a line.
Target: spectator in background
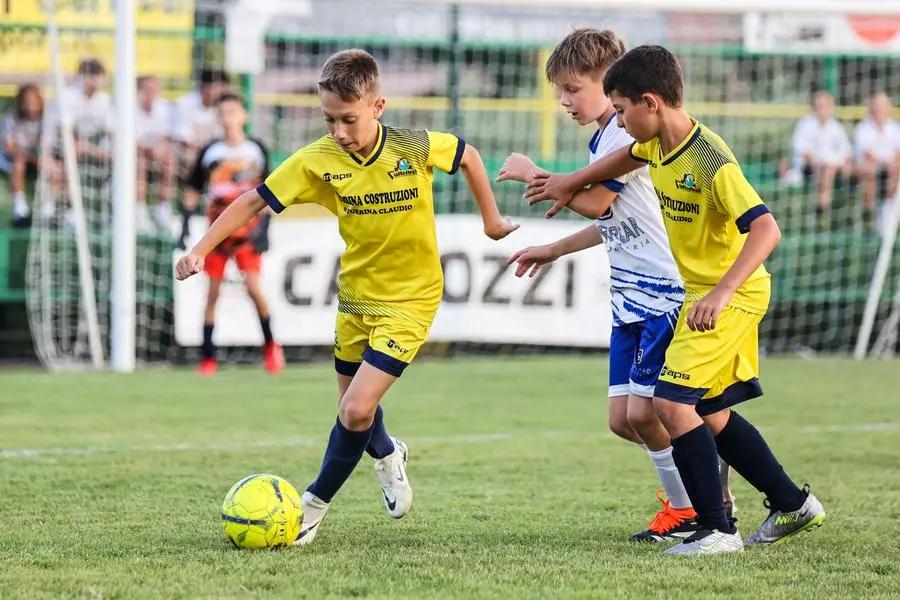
155 155
821 149
876 143
196 122
20 135
91 110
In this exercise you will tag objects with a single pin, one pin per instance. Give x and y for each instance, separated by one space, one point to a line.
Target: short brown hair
585 51
351 74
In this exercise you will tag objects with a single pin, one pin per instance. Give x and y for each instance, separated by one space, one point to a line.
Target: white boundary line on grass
27 453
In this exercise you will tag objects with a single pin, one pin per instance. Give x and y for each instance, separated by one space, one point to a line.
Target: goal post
475 65
123 317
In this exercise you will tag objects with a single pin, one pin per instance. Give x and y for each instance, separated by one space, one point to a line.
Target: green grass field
112 485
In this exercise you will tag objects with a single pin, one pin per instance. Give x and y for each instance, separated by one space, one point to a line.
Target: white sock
670 478
20 207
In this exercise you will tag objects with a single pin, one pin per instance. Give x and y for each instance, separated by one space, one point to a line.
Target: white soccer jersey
645 279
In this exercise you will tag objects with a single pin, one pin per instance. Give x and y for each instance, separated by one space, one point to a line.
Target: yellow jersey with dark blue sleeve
385 209
707 206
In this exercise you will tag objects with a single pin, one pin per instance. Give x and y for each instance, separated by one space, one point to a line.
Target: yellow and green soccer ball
262 511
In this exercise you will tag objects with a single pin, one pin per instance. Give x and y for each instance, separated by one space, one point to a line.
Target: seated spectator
196 122
90 110
20 135
154 154
821 149
876 143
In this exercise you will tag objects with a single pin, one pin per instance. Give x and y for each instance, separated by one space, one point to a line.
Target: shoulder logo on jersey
327 177
403 169
688 184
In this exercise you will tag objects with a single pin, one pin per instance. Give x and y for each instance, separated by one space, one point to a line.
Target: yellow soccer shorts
713 370
387 343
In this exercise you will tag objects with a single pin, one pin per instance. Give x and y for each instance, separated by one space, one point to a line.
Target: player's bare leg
273 355
676 520
348 441
694 451
208 363
618 420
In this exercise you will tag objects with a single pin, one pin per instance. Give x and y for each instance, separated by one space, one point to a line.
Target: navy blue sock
695 456
381 444
266 329
743 447
209 348
344 450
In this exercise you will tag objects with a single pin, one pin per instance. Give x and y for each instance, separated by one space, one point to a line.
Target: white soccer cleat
314 509
391 473
709 542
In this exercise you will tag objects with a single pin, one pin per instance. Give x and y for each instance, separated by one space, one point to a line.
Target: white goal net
806 102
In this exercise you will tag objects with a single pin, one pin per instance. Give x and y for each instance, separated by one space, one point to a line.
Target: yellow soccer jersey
707 206
385 208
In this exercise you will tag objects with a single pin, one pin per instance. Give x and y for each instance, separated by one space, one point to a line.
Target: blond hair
585 51
350 74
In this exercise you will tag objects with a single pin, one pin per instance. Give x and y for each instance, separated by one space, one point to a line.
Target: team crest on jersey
403 169
688 184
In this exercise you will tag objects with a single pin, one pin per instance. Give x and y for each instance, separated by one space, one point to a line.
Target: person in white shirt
821 149
154 153
876 144
196 121
91 112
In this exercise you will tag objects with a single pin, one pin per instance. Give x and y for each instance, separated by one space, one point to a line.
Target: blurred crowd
825 154
169 136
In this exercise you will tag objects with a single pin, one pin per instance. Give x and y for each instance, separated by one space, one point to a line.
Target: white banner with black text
565 305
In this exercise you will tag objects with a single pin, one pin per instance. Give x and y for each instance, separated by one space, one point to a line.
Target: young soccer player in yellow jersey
720 233
646 289
377 180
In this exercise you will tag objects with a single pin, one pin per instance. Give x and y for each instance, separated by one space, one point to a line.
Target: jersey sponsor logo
395 346
667 372
328 177
403 169
623 232
672 206
688 184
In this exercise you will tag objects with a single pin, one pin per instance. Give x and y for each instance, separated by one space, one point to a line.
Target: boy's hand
705 312
550 186
189 264
532 257
518 167
499 229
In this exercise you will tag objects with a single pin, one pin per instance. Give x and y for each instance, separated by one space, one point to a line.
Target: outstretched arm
495 226
534 257
561 188
235 216
590 202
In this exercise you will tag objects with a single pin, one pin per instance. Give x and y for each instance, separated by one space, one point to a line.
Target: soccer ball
262 511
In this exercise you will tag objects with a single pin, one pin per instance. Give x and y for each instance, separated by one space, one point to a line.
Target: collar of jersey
379 146
684 145
595 140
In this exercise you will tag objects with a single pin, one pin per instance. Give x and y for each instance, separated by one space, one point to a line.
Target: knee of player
355 413
641 416
618 424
